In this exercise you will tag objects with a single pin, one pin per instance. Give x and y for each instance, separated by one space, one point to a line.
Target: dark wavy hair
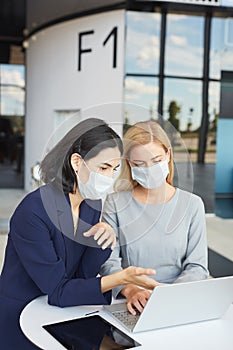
87 138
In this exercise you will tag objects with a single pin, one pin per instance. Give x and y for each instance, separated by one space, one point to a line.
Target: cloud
195 90
185 60
214 91
142 17
140 87
12 97
130 97
214 96
148 55
176 18
13 77
178 40
144 47
12 101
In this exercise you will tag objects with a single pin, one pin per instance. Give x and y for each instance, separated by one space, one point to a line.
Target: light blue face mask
151 177
97 186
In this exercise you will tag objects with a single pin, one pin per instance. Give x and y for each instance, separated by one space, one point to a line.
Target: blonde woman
157 225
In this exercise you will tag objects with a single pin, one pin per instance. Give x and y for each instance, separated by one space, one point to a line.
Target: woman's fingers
147 282
131 308
93 230
103 234
138 301
142 271
139 276
102 237
111 241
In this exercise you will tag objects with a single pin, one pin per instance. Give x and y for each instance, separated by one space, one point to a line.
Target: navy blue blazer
43 258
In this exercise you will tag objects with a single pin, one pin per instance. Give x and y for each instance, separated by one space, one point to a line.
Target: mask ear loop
79 152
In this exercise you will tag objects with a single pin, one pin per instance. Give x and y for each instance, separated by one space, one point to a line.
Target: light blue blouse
169 237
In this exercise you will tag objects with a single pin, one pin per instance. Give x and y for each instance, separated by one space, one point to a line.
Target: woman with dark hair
55 235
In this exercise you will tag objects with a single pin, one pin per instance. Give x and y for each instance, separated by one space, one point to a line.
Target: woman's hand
130 275
103 233
138 276
136 298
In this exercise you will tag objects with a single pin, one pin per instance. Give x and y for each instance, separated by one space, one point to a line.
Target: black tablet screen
90 333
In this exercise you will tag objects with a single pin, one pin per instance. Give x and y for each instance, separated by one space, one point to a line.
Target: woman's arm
113 264
195 262
32 239
132 274
40 250
136 296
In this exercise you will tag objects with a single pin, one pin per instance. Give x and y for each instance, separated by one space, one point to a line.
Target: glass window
142 42
187 96
183 108
213 110
184 45
221 46
12 92
141 99
12 101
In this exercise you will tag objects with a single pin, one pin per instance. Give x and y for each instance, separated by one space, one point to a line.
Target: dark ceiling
12 24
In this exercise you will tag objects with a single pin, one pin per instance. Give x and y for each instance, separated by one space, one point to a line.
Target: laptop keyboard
126 318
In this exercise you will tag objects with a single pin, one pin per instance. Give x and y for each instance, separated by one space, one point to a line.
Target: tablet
90 333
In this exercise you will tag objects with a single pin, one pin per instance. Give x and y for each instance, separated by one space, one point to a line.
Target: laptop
178 304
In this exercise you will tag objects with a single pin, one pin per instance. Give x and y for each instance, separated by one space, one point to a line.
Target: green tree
126 124
173 110
214 123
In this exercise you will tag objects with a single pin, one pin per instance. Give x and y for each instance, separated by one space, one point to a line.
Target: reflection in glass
141 99
184 45
221 46
12 100
213 110
142 42
12 89
182 107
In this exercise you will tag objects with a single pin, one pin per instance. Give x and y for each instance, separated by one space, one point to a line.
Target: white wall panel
55 83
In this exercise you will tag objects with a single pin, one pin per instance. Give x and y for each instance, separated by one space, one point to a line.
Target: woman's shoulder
32 200
190 199
119 196
117 199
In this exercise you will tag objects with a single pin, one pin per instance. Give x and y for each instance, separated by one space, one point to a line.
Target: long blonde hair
142 133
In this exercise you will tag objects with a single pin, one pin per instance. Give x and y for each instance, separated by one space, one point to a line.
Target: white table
214 335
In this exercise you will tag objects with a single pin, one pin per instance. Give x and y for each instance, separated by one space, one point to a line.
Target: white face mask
97 186
151 177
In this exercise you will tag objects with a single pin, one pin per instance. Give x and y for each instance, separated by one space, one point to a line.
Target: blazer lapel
58 209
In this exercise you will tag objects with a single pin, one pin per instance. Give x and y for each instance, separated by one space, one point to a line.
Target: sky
12 78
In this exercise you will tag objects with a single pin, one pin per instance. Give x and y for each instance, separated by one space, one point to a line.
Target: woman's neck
158 195
75 200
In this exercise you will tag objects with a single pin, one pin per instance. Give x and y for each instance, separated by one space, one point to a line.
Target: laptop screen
90 333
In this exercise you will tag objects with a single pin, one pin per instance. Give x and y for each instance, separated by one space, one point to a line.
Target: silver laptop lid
182 303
